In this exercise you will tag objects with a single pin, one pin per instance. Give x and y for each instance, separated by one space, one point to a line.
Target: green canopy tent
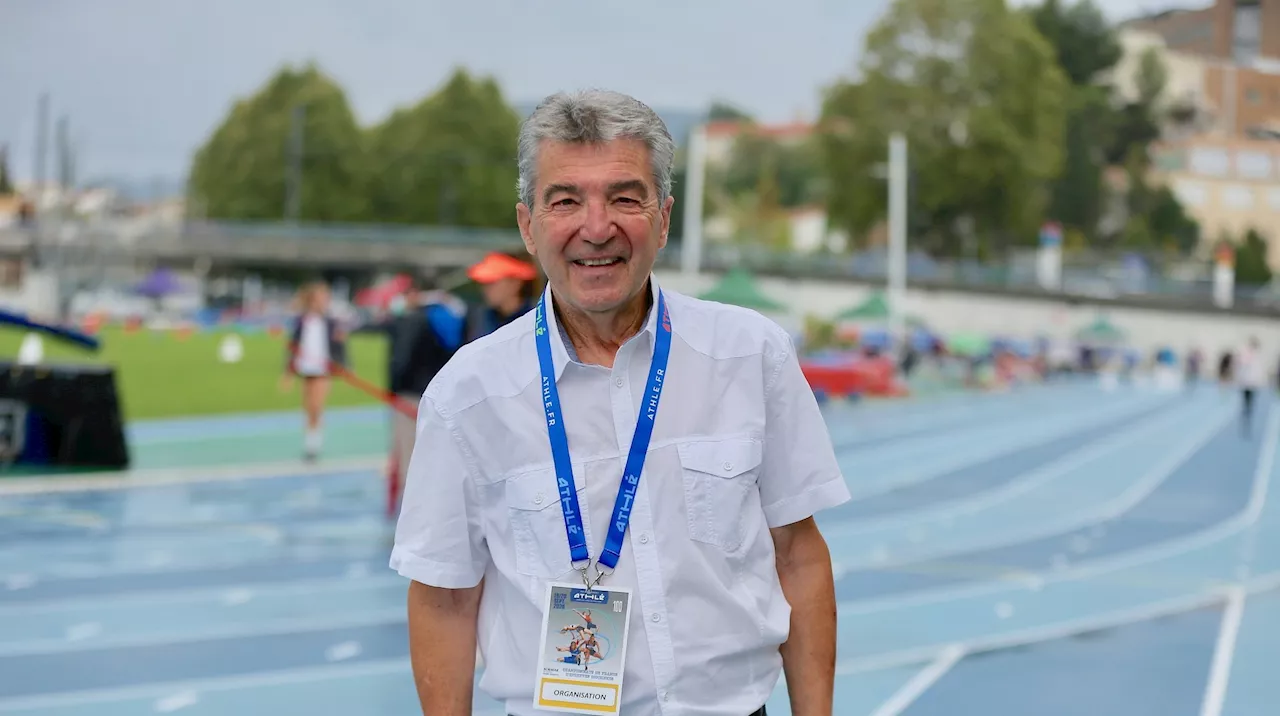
875 310
738 288
969 344
1101 332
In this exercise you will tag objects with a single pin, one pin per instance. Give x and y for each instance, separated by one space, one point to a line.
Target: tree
1086 46
980 97
795 168
1137 123
242 170
1078 194
1170 223
1252 268
724 112
448 159
1083 41
6 186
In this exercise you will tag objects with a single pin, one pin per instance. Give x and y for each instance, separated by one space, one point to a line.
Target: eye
626 200
563 202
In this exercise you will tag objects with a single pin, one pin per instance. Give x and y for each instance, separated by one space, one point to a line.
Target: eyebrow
635 185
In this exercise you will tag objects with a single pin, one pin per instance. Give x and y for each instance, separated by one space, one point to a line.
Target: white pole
691 242
897 259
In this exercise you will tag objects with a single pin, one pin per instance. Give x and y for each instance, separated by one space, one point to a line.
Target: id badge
584 645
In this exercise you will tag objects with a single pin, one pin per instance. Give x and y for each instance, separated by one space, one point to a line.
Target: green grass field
161 375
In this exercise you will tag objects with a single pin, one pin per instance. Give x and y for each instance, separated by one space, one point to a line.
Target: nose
598 226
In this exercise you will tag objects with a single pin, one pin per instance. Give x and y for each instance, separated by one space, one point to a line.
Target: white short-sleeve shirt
738 447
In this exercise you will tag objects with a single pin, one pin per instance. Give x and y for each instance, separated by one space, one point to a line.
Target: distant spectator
316 344
1251 380
509 287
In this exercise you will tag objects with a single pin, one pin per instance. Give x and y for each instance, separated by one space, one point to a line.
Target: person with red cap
508 287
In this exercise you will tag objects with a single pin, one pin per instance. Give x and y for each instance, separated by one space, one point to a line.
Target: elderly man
535 493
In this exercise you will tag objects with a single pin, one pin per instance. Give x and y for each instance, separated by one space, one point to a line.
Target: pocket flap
725 458
534 490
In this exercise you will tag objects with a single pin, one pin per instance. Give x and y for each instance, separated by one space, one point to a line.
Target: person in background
1225 368
316 343
423 331
1195 360
509 288
1251 378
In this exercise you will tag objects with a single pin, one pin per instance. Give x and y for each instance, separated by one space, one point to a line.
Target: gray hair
590 116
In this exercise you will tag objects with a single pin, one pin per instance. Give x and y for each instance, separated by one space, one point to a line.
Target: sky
143 82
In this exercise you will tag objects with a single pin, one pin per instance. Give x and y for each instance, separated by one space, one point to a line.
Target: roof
730 128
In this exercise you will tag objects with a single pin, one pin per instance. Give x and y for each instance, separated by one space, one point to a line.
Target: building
1237 30
1228 185
721 136
1236 46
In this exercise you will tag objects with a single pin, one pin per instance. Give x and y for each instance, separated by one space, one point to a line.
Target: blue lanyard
635 458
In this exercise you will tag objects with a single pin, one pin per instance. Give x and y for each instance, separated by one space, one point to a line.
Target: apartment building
1235 44
1228 185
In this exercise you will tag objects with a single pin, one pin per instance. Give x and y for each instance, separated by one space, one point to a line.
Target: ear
524 219
666 221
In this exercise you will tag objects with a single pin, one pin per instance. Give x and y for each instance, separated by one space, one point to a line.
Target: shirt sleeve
799 476
439 540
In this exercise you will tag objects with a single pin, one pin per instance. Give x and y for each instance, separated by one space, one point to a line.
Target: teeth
596 262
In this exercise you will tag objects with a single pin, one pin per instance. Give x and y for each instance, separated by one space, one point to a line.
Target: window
1210 162
1246 31
1190 193
1235 196
1253 165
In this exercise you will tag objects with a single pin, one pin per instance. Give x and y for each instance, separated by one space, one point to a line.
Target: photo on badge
584 642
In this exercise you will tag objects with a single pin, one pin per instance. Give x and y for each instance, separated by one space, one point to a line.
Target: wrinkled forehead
590 167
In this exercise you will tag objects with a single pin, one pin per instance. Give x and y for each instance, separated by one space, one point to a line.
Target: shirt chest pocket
720 477
537 524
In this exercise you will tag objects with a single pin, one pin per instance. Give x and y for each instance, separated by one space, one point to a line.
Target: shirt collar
563 352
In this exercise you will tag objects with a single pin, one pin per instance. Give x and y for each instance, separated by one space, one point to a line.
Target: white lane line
229 683
1038 477
156 477
229 594
866 434
1095 567
177 702
920 683
212 632
993 443
1057 630
1215 692
1107 511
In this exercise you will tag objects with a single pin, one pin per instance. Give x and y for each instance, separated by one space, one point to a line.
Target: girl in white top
315 346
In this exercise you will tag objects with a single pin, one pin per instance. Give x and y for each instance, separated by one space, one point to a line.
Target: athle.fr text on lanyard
635 457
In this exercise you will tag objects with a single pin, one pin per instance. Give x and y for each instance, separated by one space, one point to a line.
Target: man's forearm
442 625
809 655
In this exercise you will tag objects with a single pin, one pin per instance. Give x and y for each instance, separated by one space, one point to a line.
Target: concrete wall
956 311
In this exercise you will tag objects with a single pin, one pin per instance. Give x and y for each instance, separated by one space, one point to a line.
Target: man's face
498 293
596 225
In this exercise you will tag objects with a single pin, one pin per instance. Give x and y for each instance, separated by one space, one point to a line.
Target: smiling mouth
596 263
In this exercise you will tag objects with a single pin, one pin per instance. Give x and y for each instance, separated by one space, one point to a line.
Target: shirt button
657 617
728 466
617 382
644 539
666 695
537 499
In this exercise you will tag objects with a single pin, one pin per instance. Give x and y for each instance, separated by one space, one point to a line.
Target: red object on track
855 376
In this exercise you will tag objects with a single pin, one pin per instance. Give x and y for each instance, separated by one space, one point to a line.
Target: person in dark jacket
509 287
424 330
316 345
